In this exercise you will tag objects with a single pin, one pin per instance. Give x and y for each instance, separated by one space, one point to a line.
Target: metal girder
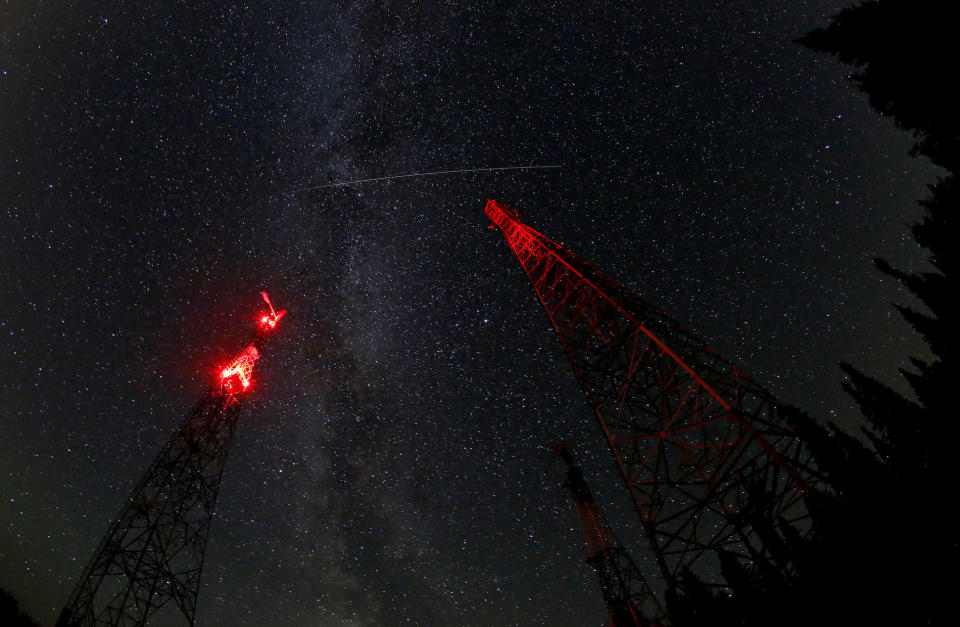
151 558
624 588
697 442
152 554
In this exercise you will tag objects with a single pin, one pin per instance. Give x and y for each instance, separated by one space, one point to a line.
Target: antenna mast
149 563
621 583
702 450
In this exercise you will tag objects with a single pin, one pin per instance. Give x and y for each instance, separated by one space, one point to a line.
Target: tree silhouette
902 50
880 528
10 614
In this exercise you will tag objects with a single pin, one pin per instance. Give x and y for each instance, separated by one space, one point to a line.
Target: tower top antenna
148 566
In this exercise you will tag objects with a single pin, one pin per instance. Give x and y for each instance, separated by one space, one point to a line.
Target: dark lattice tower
706 459
150 560
624 590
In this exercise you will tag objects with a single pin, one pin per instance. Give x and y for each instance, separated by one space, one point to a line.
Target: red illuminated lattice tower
148 565
623 587
706 458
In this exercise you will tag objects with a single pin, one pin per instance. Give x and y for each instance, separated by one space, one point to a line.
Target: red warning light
270 320
240 371
238 375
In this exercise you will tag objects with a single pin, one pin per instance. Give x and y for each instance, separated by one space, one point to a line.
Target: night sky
394 463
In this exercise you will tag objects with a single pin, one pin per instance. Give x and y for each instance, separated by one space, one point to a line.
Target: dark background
393 462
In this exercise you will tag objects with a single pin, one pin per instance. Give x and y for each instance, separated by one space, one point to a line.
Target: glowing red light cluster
237 376
271 319
240 371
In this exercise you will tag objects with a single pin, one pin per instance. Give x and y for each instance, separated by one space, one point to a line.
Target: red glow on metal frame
240 371
271 319
238 375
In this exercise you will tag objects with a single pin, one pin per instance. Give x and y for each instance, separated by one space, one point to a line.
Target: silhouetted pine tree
906 51
10 614
902 50
883 546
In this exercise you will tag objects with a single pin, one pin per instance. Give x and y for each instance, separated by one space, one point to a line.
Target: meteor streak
403 176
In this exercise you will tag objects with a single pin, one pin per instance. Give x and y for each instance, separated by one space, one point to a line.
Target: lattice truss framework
153 553
150 560
700 446
624 589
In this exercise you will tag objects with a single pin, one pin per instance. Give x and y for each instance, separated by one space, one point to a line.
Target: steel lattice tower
152 554
707 460
624 590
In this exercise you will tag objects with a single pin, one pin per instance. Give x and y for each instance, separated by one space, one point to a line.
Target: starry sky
394 463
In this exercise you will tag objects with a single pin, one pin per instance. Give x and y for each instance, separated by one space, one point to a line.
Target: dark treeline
10 614
883 546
